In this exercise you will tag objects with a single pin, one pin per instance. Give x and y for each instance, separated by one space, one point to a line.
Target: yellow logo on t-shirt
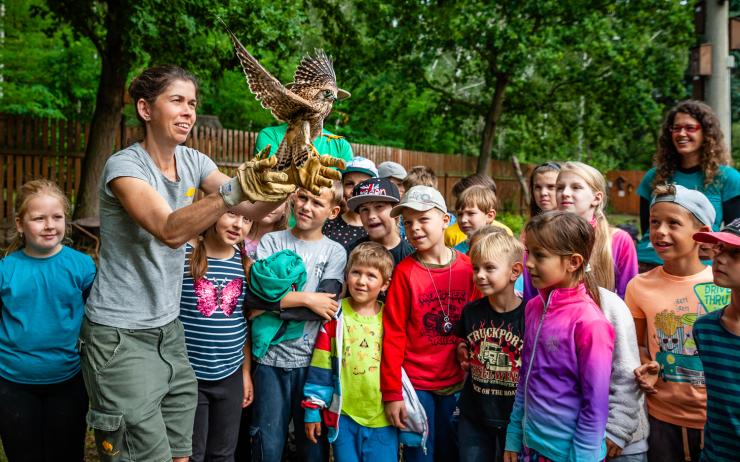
190 192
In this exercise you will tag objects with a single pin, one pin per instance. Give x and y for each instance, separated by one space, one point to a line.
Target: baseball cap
730 234
390 169
692 200
421 198
373 190
361 165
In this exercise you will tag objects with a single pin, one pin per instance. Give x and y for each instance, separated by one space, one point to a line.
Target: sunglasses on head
548 165
690 128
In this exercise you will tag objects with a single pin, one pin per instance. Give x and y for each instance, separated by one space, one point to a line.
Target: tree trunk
492 118
116 64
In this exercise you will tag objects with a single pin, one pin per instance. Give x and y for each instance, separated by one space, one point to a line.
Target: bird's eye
327 93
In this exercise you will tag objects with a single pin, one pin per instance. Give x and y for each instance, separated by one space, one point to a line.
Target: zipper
529 368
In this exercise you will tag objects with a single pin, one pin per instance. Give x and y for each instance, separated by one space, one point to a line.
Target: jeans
277 399
480 443
641 457
40 423
217 418
356 443
440 443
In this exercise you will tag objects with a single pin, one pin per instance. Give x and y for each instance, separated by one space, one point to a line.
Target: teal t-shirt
42 301
726 186
326 143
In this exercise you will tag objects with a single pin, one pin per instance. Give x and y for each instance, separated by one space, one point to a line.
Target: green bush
515 221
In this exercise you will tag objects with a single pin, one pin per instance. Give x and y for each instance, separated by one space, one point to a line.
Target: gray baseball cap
420 198
693 201
390 169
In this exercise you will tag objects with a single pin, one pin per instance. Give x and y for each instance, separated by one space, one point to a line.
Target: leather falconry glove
254 181
316 173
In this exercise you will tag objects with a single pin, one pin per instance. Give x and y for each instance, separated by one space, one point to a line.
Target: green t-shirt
326 143
360 370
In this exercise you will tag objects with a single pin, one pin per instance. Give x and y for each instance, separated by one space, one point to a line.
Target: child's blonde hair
373 255
602 261
484 231
496 246
420 175
24 194
565 234
479 196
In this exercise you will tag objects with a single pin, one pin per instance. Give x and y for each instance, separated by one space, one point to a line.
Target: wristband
231 192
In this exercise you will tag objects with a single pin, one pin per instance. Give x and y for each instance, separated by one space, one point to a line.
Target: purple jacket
562 401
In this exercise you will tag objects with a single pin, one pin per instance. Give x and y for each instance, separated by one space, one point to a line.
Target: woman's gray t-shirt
139 278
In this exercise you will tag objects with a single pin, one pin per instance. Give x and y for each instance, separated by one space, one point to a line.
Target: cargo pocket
110 435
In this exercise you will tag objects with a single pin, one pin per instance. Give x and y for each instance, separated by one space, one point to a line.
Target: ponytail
199 258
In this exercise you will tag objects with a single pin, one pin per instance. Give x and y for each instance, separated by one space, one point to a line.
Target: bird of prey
303 104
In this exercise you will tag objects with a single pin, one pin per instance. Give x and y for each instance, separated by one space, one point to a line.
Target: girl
581 189
542 188
43 287
277 220
561 406
214 283
692 153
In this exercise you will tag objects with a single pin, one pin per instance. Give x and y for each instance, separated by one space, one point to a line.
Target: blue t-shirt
718 349
43 300
726 186
211 313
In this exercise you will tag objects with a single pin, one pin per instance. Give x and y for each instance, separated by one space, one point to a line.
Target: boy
424 303
283 357
454 235
476 208
344 376
492 333
664 302
394 172
420 175
373 200
347 227
717 336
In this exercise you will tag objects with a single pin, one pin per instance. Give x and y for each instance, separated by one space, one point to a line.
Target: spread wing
283 103
315 69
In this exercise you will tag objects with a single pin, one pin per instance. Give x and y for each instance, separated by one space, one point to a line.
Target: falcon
303 104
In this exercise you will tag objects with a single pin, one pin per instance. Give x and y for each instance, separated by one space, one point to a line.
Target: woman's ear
598 198
142 107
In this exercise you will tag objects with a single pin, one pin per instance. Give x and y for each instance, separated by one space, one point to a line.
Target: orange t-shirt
670 305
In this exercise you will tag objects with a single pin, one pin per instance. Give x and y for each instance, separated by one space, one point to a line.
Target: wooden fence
33 148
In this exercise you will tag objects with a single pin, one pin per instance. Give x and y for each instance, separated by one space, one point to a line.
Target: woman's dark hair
714 151
565 234
535 209
153 81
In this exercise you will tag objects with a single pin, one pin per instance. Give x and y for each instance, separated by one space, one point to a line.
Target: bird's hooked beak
342 94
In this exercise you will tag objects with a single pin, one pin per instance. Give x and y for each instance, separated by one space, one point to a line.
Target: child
453 234
394 172
581 189
215 335
665 302
373 200
347 227
43 287
277 220
492 329
542 183
476 208
424 303
420 175
717 337
284 353
562 401
344 377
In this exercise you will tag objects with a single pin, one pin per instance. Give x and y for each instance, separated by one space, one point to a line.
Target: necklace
446 323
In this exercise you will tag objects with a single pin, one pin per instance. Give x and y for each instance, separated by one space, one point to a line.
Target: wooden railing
49 148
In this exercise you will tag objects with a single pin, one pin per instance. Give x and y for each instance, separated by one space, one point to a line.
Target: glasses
690 128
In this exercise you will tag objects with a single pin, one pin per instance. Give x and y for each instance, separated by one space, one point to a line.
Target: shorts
143 392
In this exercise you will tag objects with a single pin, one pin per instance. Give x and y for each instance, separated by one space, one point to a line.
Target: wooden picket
50 148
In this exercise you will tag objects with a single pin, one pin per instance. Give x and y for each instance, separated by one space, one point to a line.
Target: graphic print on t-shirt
362 346
677 354
495 358
440 321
